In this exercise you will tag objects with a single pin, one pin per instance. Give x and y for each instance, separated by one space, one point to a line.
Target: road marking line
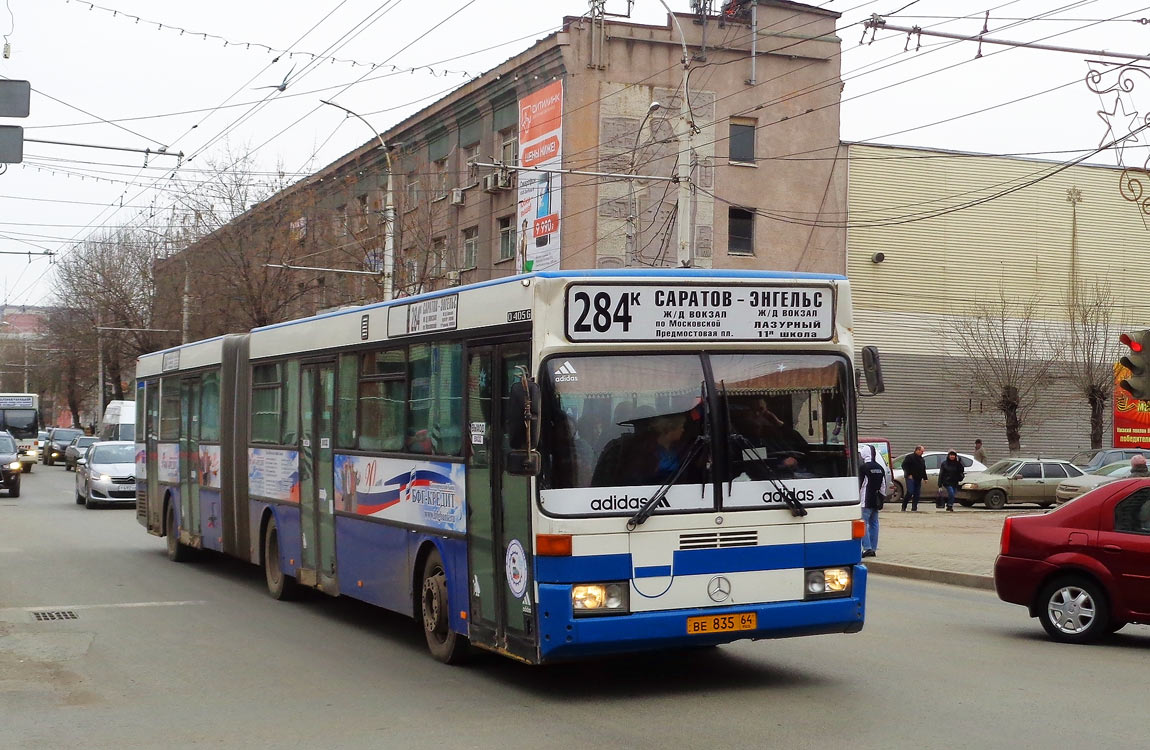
123 605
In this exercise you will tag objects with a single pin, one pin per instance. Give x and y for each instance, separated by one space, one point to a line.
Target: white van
119 421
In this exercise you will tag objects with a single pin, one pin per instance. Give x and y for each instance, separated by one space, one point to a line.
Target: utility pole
388 208
686 255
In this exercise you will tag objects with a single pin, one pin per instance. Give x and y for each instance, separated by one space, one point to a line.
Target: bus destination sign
17 401
436 314
613 312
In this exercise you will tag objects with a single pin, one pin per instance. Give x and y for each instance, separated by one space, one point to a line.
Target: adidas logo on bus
565 373
826 495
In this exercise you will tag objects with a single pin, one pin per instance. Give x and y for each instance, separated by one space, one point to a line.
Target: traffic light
1138 363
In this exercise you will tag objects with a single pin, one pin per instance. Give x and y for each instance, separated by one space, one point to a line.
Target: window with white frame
470 157
742 140
439 264
470 247
441 179
506 238
411 192
509 146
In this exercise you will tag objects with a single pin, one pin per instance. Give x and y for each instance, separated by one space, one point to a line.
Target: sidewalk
957 548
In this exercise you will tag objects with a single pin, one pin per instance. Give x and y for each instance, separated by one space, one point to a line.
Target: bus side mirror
523 463
523 413
872 370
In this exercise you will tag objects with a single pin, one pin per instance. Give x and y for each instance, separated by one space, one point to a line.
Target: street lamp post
388 208
632 208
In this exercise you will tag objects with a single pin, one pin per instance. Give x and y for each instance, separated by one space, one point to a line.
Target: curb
969 580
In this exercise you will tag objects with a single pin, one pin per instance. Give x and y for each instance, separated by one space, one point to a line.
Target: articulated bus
20 417
549 466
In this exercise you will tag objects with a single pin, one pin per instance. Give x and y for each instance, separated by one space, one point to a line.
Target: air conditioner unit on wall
457 196
504 176
491 182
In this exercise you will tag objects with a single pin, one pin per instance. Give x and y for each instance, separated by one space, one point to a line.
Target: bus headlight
827 582
600 598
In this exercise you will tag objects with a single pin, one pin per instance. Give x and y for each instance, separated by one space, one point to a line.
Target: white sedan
106 474
933 460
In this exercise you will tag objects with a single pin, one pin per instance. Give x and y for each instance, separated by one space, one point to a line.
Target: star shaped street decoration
1120 126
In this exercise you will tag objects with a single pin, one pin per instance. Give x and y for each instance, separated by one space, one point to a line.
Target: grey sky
117 68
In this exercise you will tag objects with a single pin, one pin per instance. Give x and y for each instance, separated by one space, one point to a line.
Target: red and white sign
540 145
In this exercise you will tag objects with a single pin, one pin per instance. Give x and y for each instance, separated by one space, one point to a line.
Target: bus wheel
280 585
177 551
444 644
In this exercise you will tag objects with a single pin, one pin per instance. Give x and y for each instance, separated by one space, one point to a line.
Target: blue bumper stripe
653 571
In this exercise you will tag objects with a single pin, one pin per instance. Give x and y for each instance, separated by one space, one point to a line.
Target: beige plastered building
943 254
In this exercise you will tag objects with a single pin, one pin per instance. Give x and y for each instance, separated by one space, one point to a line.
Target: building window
411 192
507 238
740 231
509 147
439 263
742 140
470 157
470 247
339 222
441 181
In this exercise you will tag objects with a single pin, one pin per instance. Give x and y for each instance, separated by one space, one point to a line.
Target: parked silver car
106 474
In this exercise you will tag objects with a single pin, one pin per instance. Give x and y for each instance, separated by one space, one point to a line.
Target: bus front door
499 549
190 460
316 477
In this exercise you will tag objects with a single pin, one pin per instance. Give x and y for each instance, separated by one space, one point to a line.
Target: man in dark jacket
914 472
950 475
872 477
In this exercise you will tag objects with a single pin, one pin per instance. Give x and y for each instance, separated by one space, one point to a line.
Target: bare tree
1002 364
1092 349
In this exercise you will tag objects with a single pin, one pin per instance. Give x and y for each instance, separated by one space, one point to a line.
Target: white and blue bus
549 466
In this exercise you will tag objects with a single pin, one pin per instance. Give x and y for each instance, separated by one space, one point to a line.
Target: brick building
601 96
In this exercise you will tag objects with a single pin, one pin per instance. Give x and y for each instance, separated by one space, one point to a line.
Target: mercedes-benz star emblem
719 588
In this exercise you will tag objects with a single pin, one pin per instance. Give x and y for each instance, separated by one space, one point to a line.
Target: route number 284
600 313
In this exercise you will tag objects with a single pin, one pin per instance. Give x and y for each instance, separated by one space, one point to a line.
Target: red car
1083 569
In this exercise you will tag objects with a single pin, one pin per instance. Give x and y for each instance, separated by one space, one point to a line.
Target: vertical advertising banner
540 145
1131 415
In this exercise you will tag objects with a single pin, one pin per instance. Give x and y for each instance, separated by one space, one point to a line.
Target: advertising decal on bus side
168 463
273 474
425 493
610 312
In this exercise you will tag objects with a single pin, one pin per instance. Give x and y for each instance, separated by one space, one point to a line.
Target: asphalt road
196 655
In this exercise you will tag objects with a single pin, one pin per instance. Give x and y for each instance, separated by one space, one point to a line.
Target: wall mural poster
539 194
273 474
424 493
168 464
210 466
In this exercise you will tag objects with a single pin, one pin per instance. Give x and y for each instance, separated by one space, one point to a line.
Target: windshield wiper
702 442
788 496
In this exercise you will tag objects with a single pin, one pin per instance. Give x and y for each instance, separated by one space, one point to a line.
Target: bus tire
177 550
281 586
444 644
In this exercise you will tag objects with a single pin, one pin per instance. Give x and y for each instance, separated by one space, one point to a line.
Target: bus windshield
627 421
623 420
21 423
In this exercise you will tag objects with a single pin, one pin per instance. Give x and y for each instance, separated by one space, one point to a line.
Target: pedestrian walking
914 471
950 475
1138 466
980 453
873 483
